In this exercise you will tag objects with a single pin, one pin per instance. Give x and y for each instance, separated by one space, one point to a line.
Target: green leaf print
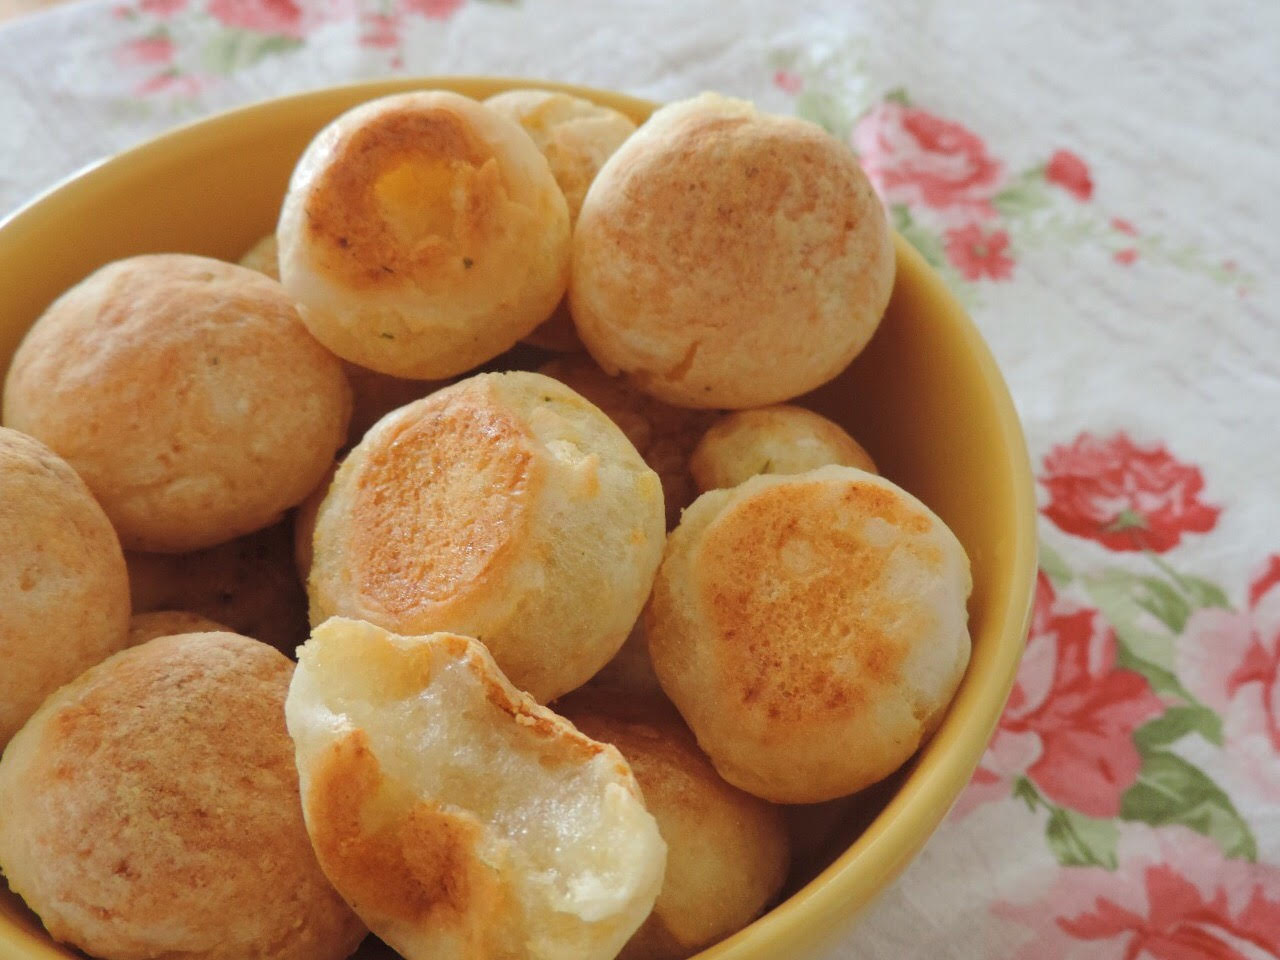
825 110
1124 598
232 50
1171 790
1080 841
1175 723
1054 566
1074 839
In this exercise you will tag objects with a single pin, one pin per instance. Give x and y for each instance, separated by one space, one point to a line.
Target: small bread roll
780 439
263 256
64 591
169 623
811 629
422 234
664 435
505 507
187 394
151 809
577 137
729 258
727 851
249 584
459 818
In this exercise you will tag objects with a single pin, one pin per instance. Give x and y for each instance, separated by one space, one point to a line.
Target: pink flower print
433 9
978 255
1121 225
1124 496
1174 896
916 158
1126 256
1231 661
381 31
171 82
788 81
162 8
146 50
1069 172
283 17
1069 722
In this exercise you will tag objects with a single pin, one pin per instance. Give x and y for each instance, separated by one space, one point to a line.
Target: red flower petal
1069 172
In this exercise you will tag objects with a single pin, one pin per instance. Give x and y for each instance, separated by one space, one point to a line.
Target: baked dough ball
263 257
778 439
811 629
169 623
249 584
577 137
64 592
727 851
664 435
187 394
461 820
729 258
151 809
423 234
505 507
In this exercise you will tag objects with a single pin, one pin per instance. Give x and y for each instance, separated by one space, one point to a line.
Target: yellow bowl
925 398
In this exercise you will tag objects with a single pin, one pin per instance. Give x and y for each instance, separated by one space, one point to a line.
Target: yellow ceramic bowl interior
925 398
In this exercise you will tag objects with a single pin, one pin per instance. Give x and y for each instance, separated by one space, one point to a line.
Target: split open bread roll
727 851
187 394
151 810
64 590
461 820
811 629
505 507
422 234
729 258
777 439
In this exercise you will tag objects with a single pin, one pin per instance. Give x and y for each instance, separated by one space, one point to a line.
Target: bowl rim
822 907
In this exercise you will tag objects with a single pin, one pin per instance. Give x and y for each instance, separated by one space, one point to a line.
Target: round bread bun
151 809
729 258
664 435
811 629
64 591
727 851
505 507
457 817
187 394
249 584
422 234
169 623
781 439
263 256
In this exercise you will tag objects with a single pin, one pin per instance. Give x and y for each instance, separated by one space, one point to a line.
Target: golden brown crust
168 623
664 435
352 228
249 584
807 627
168 821
777 439
410 491
190 398
64 591
728 258
728 852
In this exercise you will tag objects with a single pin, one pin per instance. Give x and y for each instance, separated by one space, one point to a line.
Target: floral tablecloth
1098 182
